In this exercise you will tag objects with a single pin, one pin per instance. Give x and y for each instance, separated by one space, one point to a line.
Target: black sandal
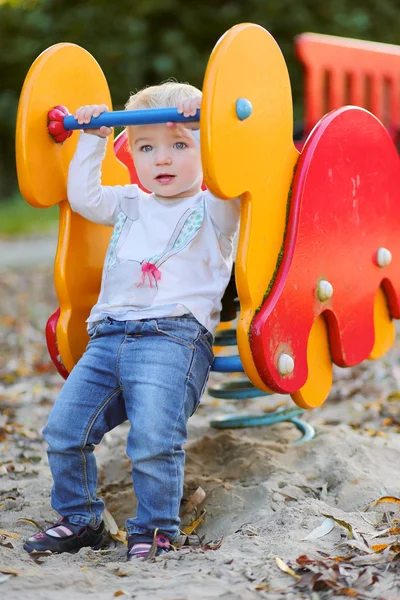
52 541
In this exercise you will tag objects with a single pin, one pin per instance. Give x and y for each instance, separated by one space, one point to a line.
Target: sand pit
263 494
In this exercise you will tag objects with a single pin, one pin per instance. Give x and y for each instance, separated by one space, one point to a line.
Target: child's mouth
164 178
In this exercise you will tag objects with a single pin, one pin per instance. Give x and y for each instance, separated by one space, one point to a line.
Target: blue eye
180 145
146 148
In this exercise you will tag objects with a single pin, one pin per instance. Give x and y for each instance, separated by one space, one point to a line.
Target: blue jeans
152 372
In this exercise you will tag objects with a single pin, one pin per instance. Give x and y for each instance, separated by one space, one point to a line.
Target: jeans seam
185 393
84 442
192 361
117 370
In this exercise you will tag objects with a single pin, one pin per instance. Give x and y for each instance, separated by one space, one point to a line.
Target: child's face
167 160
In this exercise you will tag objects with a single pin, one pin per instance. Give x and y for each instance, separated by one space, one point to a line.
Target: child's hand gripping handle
60 126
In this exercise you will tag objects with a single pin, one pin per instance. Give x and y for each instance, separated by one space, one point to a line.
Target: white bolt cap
324 290
285 364
383 257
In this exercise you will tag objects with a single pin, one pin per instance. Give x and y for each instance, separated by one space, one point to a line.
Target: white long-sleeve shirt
165 257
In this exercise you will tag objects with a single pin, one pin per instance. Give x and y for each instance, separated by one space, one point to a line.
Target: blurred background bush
142 42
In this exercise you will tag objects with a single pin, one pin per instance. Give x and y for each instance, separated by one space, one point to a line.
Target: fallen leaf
15 536
248 530
389 499
323 529
348 592
193 526
152 552
394 531
188 540
30 521
365 579
261 586
194 501
120 572
360 545
213 544
344 524
120 536
109 522
370 559
9 570
285 568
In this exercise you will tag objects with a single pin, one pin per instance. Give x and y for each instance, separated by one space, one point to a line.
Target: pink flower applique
150 271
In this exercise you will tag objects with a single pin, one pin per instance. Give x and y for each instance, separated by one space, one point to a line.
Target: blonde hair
164 95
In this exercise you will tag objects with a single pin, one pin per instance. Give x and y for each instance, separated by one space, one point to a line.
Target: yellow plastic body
253 158
65 74
383 326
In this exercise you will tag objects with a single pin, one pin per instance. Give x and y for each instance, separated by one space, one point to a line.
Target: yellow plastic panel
65 74
383 326
319 380
254 158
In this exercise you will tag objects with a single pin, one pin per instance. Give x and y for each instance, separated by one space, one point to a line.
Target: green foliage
18 217
144 42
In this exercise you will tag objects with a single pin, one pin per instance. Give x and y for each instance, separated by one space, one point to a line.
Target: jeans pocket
185 331
207 336
94 330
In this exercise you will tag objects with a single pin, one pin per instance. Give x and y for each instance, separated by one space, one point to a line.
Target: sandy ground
264 494
17 252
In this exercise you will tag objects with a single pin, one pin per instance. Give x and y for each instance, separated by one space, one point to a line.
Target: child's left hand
188 108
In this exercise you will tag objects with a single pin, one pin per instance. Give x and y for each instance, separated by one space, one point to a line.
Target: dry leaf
152 552
370 559
15 536
383 533
213 544
121 593
193 526
188 540
261 586
360 545
390 499
394 531
285 568
323 529
9 570
344 524
109 522
120 536
365 579
30 521
194 501
348 592
120 572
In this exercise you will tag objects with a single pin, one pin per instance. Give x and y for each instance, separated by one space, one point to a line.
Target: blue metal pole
122 118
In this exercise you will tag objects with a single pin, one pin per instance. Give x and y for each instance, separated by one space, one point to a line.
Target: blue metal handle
227 364
122 118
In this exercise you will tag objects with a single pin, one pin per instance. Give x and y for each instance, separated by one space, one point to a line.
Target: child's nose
163 157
